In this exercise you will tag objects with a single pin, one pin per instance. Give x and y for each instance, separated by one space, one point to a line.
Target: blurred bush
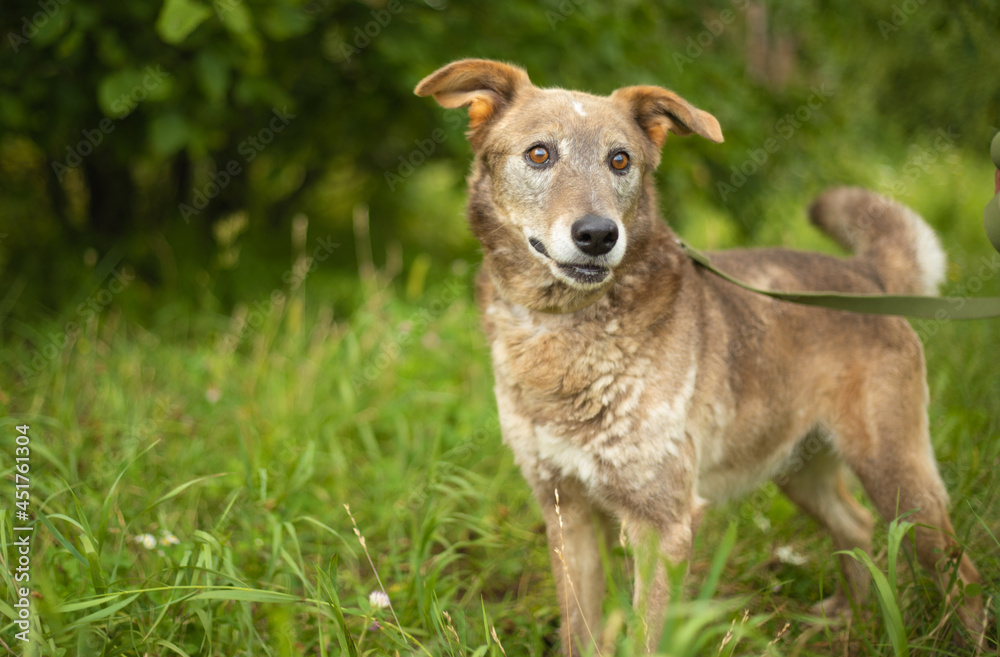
135 128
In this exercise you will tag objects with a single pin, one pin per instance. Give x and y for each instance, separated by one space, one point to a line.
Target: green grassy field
190 478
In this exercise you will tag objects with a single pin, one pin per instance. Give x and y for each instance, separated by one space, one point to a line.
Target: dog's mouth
583 274
589 274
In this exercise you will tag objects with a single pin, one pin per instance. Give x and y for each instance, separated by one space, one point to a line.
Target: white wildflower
378 600
147 541
787 554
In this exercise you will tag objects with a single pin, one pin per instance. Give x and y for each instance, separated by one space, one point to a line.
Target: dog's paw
835 609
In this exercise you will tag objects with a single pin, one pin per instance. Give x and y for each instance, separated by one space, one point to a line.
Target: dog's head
560 176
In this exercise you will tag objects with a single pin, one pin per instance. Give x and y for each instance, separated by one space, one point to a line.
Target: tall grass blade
887 602
328 584
718 563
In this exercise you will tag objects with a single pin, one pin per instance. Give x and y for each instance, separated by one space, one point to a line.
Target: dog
634 386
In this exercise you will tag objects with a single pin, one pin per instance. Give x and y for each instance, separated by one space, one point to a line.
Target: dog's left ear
659 111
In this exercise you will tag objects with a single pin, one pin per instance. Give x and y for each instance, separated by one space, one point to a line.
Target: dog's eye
619 161
538 154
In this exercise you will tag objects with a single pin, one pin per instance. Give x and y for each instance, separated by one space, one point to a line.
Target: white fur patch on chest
634 445
566 457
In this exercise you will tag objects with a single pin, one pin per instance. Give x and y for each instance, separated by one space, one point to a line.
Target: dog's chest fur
583 395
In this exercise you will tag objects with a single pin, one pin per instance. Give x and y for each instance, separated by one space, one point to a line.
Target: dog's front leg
571 525
661 549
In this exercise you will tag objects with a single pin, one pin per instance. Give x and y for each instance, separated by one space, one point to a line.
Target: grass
246 450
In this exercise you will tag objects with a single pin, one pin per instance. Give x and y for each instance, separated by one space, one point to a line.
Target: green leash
872 304
940 308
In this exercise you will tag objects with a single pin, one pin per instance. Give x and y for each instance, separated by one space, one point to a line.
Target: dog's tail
892 238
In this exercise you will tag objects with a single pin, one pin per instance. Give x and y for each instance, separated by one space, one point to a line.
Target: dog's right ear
484 86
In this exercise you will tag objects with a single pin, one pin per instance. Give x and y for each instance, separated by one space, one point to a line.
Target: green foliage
185 378
142 125
245 444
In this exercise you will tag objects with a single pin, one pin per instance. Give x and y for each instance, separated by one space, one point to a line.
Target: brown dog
641 387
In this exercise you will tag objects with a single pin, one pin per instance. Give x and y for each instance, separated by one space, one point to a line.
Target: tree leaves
169 133
179 18
121 92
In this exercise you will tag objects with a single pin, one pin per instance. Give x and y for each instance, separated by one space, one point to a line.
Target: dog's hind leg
815 482
883 435
572 529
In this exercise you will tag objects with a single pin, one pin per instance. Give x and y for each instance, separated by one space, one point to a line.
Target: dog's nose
595 235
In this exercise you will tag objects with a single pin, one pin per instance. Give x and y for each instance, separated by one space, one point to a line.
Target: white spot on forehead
579 108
